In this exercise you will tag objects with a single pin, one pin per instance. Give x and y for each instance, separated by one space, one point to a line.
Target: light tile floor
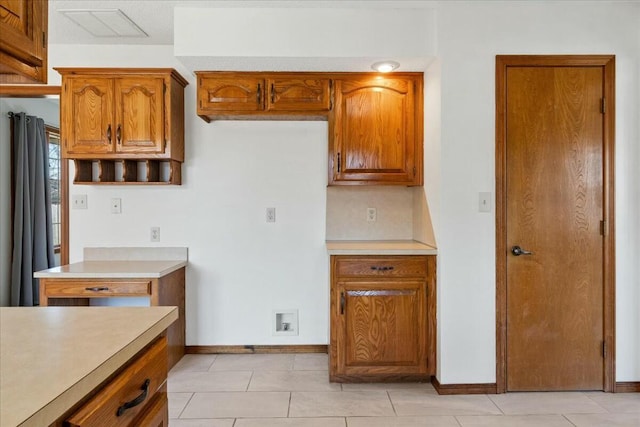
293 390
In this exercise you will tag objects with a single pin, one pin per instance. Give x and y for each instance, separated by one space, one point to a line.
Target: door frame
607 63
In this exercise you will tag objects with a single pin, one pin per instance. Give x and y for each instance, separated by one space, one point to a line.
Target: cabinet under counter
56 360
162 282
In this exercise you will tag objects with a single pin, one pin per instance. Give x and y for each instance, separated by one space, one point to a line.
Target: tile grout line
495 404
568 420
391 401
185 405
248 383
596 402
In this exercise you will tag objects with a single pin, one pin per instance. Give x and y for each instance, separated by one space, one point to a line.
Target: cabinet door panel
87 116
298 94
229 94
139 115
382 327
374 132
23 25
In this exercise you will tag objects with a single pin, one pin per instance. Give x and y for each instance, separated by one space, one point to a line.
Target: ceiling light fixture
385 66
104 22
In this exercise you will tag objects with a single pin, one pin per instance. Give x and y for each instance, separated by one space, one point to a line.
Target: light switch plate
484 202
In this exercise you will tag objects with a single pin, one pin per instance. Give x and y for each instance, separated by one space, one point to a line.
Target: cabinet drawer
385 266
102 288
128 394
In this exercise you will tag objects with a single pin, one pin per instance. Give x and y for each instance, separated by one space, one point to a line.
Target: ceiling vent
104 22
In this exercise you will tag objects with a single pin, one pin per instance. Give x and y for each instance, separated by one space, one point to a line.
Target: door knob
517 251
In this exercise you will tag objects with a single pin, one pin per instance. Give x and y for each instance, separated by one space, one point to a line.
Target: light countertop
379 247
51 357
112 269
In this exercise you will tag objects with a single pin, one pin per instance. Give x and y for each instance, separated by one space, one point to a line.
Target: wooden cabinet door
87 116
230 93
23 28
139 115
374 136
380 327
288 93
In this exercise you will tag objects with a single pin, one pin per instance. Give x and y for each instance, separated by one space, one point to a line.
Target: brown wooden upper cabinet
122 113
271 96
23 41
376 130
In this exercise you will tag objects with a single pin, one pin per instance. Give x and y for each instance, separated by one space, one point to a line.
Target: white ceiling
155 17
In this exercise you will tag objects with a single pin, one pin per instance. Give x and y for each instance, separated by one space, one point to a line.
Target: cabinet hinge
603 106
165 145
603 228
164 87
604 349
44 39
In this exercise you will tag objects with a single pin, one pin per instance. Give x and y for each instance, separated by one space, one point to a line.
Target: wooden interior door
554 237
139 112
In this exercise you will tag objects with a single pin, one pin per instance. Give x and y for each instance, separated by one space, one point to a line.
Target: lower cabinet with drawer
383 318
168 290
136 396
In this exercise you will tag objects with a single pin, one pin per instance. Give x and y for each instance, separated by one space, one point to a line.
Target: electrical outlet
155 234
116 206
372 214
79 201
271 214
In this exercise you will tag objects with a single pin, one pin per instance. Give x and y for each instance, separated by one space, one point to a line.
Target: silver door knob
517 251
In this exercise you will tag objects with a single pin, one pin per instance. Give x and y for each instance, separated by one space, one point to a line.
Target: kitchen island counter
52 357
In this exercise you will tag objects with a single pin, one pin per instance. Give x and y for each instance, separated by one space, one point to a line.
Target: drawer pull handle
342 302
138 400
375 268
97 289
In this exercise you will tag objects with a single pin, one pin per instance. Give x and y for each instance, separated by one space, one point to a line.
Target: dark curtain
32 225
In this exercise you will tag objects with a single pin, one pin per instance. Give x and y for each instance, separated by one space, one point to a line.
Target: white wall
470 34
241 267
48 110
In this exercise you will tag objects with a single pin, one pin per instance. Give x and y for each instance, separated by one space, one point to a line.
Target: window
55 180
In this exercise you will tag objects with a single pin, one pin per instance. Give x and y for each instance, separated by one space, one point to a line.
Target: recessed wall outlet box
79 201
155 234
484 202
116 206
271 214
372 214
285 322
